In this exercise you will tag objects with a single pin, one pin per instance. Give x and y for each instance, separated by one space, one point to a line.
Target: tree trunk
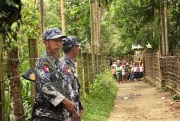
16 104
63 18
99 29
42 16
96 34
162 44
92 36
2 95
166 29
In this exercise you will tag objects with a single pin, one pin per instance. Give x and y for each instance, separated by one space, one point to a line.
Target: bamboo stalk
2 94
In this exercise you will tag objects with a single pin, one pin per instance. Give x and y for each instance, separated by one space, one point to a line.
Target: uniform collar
68 59
55 60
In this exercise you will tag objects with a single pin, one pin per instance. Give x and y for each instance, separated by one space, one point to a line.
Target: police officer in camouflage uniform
71 85
50 98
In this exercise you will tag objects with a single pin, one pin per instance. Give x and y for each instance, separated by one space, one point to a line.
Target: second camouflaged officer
50 99
71 85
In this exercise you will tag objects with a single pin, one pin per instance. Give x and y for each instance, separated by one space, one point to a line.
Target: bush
176 96
99 102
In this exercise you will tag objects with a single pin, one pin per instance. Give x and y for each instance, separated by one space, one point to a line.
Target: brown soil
138 101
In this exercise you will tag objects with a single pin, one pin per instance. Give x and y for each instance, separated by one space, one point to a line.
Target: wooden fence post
99 64
33 54
2 95
162 81
95 65
178 74
85 57
16 103
90 72
80 70
105 61
162 66
145 64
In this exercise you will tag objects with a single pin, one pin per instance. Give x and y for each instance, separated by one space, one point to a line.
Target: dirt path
138 101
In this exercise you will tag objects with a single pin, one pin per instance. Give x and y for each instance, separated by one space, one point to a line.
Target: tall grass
26 92
7 103
99 102
26 97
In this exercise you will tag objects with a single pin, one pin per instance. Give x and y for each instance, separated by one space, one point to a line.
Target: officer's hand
82 109
68 105
75 116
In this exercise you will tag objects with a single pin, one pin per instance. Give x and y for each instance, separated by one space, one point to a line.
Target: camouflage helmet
52 33
69 42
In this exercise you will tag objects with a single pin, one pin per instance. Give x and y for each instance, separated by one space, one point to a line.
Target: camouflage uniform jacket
48 94
70 84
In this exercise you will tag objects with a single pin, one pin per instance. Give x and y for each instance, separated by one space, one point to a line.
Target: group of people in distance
123 71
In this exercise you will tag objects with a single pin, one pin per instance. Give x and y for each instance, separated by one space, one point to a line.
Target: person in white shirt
141 71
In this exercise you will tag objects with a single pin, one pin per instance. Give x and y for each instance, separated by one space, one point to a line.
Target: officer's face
53 45
76 50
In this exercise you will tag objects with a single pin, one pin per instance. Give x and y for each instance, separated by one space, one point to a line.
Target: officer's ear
46 43
73 49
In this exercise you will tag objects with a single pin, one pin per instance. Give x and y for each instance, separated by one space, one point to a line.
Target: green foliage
7 104
138 22
176 96
78 19
52 16
9 13
26 95
133 20
174 26
30 27
26 90
99 102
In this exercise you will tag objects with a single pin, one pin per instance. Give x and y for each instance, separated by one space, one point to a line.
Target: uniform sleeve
71 83
66 73
46 85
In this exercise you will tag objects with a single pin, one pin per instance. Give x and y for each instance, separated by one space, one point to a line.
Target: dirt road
138 101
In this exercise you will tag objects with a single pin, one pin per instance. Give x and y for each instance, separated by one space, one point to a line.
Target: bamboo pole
63 18
42 16
162 44
96 34
92 36
80 70
90 72
99 63
85 58
33 54
2 95
166 29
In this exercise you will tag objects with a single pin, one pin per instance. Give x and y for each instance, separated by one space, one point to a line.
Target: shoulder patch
66 70
46 66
